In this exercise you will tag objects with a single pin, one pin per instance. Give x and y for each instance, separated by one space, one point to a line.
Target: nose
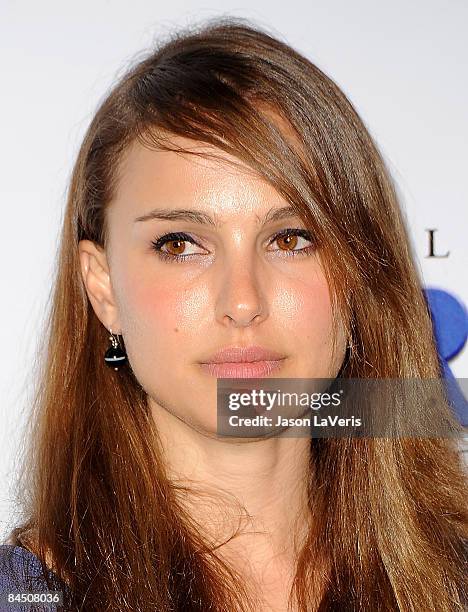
241 300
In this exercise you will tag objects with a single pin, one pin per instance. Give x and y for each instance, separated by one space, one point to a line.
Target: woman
227 205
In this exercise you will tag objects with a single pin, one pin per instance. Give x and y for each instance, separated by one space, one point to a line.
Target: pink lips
243 362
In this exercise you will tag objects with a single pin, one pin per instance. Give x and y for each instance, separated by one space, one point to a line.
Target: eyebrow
198 216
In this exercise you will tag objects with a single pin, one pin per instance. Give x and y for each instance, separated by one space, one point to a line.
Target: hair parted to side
389 517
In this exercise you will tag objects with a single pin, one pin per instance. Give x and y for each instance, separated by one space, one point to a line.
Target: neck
267 477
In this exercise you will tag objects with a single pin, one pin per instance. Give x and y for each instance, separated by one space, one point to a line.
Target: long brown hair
389 517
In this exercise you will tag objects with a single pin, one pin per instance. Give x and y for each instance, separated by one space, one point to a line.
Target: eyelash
159 241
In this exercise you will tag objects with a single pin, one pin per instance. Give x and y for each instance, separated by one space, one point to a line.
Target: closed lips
239 354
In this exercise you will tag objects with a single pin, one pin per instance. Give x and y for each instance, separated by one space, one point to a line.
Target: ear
95 273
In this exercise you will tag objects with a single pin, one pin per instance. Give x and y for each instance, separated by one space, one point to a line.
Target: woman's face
232 284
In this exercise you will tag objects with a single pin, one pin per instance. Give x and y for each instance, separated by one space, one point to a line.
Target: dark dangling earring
115 357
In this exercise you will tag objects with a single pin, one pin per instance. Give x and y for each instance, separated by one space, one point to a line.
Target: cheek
305 313
305 308
159 308
317 312
147 307
154 338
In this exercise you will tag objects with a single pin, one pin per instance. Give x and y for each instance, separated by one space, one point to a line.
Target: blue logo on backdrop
450 324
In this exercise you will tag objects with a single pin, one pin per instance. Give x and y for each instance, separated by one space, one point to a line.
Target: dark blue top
20 571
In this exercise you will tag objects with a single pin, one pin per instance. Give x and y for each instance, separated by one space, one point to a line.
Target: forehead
149 178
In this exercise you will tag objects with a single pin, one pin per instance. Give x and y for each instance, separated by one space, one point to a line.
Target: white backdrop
403 65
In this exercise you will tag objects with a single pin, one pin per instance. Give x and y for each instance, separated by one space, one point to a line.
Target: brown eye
287 242
175 247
